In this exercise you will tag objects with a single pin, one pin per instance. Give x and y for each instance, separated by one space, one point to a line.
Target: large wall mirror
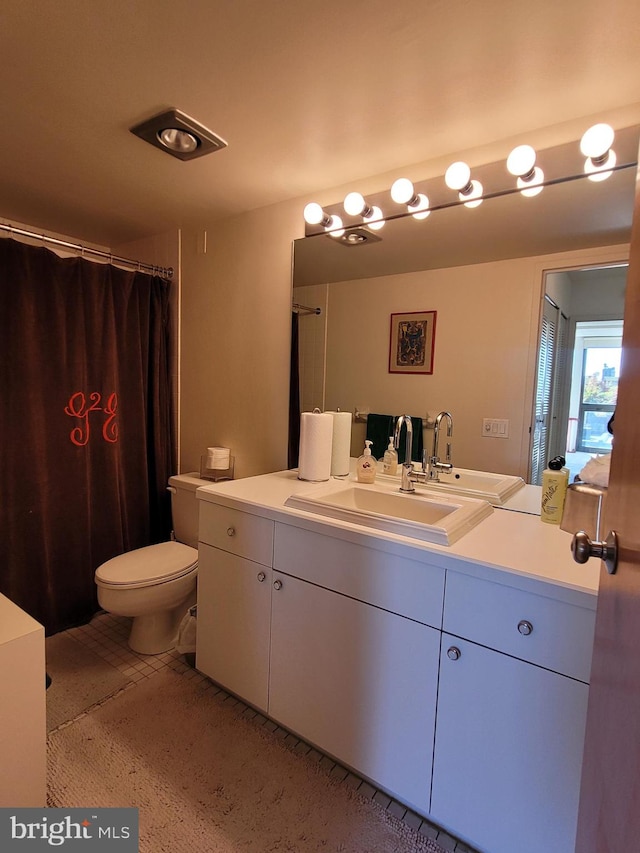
488 273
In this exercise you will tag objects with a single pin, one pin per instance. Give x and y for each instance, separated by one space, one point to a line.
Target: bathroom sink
441 520
483 485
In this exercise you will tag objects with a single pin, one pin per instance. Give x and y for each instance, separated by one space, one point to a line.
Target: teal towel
380 427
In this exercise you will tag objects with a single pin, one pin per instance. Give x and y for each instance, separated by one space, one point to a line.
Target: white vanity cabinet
511 717
455 679
349 674
234 601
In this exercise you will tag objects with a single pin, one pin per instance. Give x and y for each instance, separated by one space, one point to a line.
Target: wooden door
609 815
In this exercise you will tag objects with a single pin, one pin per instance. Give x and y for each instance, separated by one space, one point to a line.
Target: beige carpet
207 779
79 679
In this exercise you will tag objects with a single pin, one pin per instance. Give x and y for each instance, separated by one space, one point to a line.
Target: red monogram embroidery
110 427
77 408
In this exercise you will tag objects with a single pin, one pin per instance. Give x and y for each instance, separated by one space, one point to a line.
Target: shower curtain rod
305 310
163 272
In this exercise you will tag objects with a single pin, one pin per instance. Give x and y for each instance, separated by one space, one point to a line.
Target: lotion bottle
555 479
390 461
366 466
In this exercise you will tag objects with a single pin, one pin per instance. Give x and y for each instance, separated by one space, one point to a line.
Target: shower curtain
85 425
294 396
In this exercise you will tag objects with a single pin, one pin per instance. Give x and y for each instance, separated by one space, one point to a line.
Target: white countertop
14 622
512 547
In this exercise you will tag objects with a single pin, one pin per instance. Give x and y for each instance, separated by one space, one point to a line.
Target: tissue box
583 509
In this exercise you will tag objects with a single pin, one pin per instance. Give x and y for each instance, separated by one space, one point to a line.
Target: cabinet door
356 681
508 753
232 641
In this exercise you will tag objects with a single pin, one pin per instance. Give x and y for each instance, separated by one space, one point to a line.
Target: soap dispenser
366 467
390 461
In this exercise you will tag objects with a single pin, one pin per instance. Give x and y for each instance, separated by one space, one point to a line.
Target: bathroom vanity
454 677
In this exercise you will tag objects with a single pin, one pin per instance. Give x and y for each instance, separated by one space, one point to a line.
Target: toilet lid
153 564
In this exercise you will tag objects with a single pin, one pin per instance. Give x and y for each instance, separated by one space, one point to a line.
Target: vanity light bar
595 146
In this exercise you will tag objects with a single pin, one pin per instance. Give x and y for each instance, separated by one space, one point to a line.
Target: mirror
482 272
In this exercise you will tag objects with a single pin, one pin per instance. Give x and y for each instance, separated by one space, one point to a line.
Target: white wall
312 346
596 299
236 338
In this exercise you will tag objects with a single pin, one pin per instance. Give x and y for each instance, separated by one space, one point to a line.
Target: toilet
156 585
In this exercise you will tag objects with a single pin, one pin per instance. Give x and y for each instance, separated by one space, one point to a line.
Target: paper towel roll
316 437
341 444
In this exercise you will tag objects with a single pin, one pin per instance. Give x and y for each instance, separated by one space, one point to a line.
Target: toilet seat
148 566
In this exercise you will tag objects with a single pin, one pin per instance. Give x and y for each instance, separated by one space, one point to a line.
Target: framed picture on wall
412 341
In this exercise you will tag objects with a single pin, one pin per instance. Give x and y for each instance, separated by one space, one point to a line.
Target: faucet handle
425 460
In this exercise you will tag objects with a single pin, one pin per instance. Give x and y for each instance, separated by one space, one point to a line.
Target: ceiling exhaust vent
179 135
357 237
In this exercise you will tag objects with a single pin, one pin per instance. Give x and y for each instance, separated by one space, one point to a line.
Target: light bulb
335 227
402 191
521 160
354 204
457 176
375 219
313 213
472 198
600 171
420 210
533 185
597 141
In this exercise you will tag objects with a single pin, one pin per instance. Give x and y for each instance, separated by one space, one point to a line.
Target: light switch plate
495 427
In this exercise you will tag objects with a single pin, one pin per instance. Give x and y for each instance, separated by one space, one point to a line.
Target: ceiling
309 96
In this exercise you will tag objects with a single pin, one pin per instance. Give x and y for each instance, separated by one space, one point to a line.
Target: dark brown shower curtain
85 425
294 396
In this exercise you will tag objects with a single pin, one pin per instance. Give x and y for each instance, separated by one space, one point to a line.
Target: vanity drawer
551 633
408 587
239 533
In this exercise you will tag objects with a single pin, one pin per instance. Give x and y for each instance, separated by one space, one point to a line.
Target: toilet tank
184 506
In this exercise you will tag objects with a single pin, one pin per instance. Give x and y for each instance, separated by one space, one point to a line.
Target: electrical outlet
495 427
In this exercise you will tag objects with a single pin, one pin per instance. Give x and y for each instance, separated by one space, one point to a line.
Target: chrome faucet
406 484
434 465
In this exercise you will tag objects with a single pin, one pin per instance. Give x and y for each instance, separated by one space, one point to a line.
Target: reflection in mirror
482 271
578 366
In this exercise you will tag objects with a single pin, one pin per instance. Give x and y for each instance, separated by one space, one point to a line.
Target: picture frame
412 342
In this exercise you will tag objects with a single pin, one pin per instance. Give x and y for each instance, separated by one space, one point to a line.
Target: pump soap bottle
366 467
555 480
390 461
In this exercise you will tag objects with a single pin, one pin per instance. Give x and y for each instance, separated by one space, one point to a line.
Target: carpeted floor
205 777
79 679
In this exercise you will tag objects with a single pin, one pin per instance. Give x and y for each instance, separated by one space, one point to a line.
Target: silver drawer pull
261 576
453 653
525 627
231 531
277 584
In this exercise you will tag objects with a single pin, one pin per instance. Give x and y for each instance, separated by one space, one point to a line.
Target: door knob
582 548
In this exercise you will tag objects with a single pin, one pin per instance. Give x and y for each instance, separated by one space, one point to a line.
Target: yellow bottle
555 480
